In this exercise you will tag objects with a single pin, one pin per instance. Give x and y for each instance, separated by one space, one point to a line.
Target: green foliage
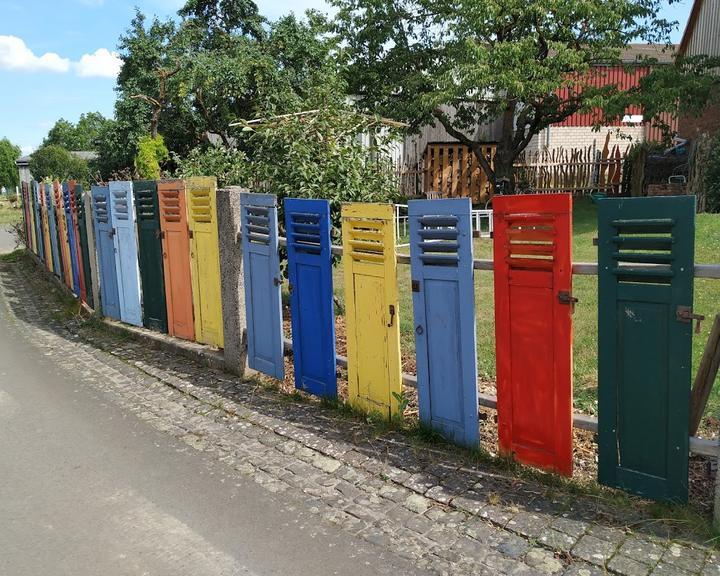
712 178
82 136
56 163
319 155
499 65
9 176
229 165
151 153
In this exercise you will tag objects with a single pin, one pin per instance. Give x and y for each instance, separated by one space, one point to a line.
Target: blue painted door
38 221
52 224
126 252
72 240
307 225
441 259
261 263
102 223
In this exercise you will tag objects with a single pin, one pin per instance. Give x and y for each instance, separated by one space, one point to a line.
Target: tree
470 63
151 153
9 176
56 163
81 136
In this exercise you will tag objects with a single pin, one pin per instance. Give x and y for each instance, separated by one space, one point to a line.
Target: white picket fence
481 222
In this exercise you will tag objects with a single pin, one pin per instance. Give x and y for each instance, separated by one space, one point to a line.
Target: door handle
685 314
566 297
392 315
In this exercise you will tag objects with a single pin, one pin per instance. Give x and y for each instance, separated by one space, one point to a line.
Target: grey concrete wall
87 200
231 279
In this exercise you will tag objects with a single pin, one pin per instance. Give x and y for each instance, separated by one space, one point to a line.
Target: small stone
416 503
325 464
543 561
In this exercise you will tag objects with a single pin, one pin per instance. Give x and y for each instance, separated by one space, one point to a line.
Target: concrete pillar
87 201
232 286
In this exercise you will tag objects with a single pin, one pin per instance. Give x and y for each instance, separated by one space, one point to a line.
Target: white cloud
15 55
101 63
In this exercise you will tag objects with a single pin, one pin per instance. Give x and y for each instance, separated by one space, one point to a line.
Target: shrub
151 153
55 163
712 178
229 165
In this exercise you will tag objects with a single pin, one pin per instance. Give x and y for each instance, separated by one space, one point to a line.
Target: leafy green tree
81 136
229 165
54 162
9 176
151 153
468 64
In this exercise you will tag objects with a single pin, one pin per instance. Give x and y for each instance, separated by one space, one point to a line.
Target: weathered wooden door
533 328
78 206
72 239
33 245
646 272
26 214
263 282
205 260
52 223
47 249
150 255
307 225
176 258
371 307
62 235
126 252
443 294
40 248
105 248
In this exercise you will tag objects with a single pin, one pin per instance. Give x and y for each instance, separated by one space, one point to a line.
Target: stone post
232 286
87 200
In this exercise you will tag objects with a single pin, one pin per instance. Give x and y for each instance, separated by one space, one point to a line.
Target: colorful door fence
175 239
645 321
533 328
52 222
307 225
104 246
444 308
126 251
78 205
371 301
150 255
263 283
205 260
72 240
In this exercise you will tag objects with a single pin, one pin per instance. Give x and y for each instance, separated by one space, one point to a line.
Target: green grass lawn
10 213
707 302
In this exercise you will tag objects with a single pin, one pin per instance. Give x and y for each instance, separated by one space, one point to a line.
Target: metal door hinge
290 287
685 314
392 315
277 281
112 232
565 297
416 285
190 233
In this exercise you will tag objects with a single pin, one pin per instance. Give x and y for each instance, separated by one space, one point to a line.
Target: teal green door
646 270
150 255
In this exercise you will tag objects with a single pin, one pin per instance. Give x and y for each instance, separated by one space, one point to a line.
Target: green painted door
646 271
150 255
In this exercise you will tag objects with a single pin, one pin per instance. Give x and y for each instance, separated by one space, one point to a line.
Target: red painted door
533 328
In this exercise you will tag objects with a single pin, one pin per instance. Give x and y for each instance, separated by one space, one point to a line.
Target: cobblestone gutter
448 511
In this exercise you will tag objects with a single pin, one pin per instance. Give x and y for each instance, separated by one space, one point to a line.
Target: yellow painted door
205 260
371 307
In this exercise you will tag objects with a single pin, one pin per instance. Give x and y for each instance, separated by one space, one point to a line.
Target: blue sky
56 57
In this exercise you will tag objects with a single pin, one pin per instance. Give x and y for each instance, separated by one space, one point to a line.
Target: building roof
690 26
22 161
636 53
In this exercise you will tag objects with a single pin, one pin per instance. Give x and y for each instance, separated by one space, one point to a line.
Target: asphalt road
88 489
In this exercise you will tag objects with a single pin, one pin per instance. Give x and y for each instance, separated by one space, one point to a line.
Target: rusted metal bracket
685 314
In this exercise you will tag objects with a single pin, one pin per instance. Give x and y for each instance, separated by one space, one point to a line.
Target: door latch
565 297
685 314
277 281
415 285
392 315
112 232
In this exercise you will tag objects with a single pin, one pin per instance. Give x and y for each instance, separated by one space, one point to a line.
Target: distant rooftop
82 154
663 53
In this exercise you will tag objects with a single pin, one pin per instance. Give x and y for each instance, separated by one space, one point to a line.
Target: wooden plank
705 377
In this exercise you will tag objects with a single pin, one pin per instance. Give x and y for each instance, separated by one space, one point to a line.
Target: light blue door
261 264
307 226
126 252
52 223
104 246
441 257
38 221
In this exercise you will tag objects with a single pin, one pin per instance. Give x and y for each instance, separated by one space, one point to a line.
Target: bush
712 178
228 165
55 163
151 153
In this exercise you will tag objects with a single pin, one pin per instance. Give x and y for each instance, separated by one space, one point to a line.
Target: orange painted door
533 328
176 258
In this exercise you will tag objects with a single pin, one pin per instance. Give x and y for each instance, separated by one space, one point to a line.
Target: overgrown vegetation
56 163
151 153
712 178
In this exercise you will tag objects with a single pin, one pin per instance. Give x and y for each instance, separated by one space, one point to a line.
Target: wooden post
705 378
